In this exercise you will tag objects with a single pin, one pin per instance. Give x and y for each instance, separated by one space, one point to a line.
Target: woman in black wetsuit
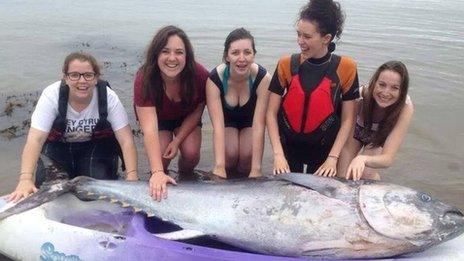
313 95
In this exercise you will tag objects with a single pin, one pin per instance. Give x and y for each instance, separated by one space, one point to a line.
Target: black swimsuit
363 134
238 117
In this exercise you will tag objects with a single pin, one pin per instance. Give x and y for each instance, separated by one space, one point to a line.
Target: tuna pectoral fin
180 235
48 192
329 187
4 205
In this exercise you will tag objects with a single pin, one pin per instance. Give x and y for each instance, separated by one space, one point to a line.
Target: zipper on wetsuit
305 111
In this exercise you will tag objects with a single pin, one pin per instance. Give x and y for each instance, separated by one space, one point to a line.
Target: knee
166 163
102 171
190 155
101 168
371 174
231 159
245 162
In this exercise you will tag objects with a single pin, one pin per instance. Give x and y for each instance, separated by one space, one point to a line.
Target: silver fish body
297 215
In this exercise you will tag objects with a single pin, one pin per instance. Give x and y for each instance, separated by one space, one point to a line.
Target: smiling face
240 56
311 42
80 89
172 58
387 88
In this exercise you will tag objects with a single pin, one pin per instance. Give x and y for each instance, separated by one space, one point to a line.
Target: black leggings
97 159
298 154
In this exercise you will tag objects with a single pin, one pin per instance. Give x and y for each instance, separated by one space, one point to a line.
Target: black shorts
97 159
171 125
239 125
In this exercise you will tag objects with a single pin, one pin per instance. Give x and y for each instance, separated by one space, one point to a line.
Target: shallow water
425 35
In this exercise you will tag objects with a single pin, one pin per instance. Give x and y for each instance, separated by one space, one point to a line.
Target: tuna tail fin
47 192
329 187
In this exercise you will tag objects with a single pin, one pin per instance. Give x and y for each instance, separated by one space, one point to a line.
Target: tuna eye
425 198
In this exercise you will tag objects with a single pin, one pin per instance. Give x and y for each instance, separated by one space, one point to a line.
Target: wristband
156 171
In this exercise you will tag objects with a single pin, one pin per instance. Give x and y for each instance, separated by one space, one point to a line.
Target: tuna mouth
453 220
454 215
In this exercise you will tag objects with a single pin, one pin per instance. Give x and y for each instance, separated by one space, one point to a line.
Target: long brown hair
153 83
393 111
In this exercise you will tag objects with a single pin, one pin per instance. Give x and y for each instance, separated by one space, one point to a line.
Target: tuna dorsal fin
180 234
329 187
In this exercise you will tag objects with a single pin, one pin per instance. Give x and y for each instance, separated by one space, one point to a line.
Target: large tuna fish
295 215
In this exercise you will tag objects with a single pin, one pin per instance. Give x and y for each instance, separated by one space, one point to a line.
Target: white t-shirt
79 124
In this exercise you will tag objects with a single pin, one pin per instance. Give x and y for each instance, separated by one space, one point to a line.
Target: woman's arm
129 152
280 163
149 125
31 152
188 125
329 167
350 149
389 150
259 124
213 101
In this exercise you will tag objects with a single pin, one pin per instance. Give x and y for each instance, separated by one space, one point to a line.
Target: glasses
75 76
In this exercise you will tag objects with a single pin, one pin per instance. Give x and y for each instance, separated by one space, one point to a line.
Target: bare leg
348 153
370 173
245 151
190 151
165 137
232 143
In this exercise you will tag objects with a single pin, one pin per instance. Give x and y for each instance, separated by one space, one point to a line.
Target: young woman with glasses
79 123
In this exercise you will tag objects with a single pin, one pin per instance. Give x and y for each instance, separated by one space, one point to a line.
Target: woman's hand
24 189
328 168
280 165
158 185
171 150
356 167
220 171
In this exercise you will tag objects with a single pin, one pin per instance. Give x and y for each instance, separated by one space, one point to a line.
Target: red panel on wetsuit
293 104
320 106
